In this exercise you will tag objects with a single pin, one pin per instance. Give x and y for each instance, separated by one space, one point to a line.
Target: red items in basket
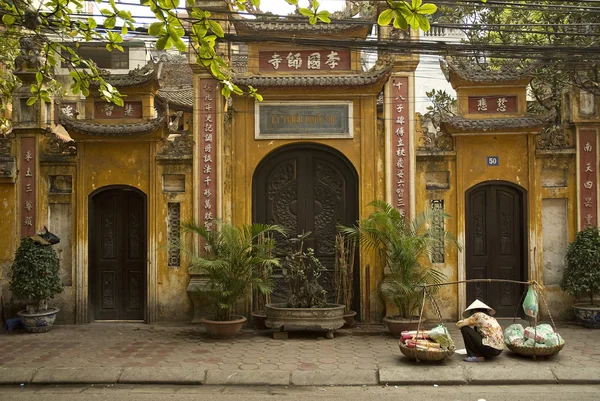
408 335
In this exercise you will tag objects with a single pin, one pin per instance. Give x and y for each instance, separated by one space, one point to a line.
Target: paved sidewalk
138 353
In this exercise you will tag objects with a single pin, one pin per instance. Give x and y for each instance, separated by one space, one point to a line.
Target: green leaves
314 14
8 19
402 14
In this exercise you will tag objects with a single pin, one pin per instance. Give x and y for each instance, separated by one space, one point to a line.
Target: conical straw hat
477 304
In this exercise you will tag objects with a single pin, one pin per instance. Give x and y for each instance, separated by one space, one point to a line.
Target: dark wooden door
308 188
495 245
117 276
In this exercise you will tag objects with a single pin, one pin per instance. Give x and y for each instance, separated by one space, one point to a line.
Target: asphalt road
232 393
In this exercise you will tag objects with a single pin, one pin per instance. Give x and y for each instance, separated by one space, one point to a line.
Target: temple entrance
495 244
117 254
308 187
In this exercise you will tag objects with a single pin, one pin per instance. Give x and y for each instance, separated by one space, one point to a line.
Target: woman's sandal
474 359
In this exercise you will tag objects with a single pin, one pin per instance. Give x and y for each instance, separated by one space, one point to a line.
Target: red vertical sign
400 145
588 195
207 150
27 177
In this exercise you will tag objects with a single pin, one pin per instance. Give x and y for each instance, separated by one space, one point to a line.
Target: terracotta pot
397 325
349 320
587 315
38 322
258 320
227 329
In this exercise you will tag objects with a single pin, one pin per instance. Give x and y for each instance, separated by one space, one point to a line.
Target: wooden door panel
494 232
117 255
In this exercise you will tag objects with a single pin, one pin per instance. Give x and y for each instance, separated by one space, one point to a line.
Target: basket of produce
427 345
540 340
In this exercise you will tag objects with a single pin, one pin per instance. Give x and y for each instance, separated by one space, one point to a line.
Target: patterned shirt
490 330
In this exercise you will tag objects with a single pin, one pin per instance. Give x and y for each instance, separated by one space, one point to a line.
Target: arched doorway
496 238
117 254
308 187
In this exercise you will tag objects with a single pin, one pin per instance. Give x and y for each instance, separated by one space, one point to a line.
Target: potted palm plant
35 278
229 261
401 245
581 276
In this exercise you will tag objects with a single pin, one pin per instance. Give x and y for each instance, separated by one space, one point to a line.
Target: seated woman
481 332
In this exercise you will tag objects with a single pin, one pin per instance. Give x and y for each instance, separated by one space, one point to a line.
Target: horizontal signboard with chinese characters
304 60
109 110
303 120
492 104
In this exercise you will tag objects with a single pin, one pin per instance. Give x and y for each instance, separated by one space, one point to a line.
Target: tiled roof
296 25
494 124
135 77
95 129
183 97
357 79
473 73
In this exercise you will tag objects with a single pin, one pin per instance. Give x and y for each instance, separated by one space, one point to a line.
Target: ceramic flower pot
587 315
396 325
38 322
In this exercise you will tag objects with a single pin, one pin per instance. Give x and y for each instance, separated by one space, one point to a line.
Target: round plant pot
258 320
311 319
349 320
221 330
38 322
587 315
396 325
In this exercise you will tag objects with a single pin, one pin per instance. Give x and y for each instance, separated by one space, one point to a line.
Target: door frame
358 300
87 248
462 256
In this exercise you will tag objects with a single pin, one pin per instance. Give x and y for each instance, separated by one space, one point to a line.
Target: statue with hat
481 333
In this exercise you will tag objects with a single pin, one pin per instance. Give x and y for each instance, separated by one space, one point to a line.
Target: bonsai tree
401 245
301 271
35 273
230 259
581 276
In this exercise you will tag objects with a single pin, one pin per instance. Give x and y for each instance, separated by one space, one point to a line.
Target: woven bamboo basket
536 351
432 355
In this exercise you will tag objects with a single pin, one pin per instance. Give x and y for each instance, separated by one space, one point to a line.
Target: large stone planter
587 315
38 322
309 319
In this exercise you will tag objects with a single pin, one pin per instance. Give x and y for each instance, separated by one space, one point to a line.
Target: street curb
162 375
334 378
16 375
248 377
423 375
482 374
88 375
580 375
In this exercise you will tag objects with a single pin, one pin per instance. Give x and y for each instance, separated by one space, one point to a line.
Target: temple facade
115 183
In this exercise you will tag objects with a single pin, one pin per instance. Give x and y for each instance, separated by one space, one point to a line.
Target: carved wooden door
495 245
117 276
308 188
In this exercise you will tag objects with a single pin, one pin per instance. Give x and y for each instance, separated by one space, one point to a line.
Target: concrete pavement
110 353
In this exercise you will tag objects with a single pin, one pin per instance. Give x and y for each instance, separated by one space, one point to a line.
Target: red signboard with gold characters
207 150
27 178
400 145
588 192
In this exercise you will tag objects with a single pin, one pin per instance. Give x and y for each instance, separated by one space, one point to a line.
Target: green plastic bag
530 305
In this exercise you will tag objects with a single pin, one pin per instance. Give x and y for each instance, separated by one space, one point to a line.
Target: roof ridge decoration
382 70
58 146
491 124
134 77
433 138
115 130
470 71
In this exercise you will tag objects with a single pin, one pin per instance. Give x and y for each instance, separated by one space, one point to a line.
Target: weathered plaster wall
8 222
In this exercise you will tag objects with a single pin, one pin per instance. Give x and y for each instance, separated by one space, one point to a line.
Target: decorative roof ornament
58 145
31 57
182 97
6 142
553 137
469 71
493 124
135 77
432 138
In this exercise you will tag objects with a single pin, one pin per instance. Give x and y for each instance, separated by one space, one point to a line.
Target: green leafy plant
582 265
231 257
35 274
301 271
401 244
